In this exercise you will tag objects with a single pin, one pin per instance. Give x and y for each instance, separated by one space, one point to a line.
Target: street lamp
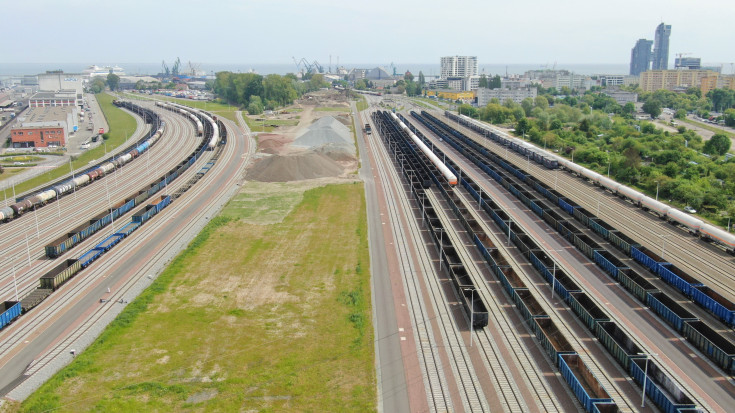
608 163
645 377
657 182
441 246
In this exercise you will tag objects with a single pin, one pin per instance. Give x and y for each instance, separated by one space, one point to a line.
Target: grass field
362 103
261 313
121 126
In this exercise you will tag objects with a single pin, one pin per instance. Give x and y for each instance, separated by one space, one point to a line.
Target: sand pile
307 165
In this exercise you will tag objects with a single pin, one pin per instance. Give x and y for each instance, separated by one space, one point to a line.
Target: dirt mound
332 123
313 138
272 143
307 165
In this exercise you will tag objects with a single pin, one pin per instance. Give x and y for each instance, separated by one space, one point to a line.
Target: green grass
332 109
121 124
256 126
362 103
263 317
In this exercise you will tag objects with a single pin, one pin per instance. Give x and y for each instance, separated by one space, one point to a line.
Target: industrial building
52 99
43 127
484 95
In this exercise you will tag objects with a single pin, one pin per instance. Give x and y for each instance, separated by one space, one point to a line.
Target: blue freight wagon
88 257
127 229
669 310
108 242
646 257
10 311
565 285
678 278
583 382
712 301
609 262
660 388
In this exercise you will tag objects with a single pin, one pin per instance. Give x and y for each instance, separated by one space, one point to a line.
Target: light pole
472 314
657 182
510 221
441 246
608 164
663 244
645 377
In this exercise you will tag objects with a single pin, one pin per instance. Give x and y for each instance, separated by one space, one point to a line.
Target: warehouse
43 127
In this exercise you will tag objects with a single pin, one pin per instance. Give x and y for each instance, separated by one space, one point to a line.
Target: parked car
690 210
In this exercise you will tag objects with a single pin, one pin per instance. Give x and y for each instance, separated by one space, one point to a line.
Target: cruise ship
95 70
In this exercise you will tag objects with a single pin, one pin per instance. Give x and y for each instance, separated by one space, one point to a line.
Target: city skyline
276 31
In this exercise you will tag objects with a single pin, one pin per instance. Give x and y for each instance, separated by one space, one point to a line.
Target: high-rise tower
661 47
640 57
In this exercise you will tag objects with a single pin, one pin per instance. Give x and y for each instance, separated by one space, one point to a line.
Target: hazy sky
372 31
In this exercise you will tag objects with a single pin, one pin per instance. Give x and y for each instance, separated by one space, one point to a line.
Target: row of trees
256 92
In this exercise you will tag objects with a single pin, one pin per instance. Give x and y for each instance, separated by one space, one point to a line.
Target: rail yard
504 278
542 286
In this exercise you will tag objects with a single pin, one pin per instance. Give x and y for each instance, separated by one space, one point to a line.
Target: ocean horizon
429 69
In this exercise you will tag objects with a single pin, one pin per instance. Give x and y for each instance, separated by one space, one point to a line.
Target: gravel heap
306 165
326 131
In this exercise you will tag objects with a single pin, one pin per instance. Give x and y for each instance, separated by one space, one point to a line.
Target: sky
374 31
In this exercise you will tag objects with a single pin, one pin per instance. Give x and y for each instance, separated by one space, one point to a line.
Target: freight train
200 116
68 268
695 226
660 387
64 187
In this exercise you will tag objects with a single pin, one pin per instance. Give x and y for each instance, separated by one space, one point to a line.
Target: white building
458 66
617 80
484 95
622 97
573 81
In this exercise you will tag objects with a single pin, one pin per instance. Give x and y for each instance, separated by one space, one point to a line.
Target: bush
106 136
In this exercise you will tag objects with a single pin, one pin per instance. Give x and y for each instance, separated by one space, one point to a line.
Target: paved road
392 387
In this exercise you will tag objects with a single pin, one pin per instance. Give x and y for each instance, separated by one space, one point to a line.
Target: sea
428 69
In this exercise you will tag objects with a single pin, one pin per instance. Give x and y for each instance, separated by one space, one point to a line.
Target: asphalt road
392 386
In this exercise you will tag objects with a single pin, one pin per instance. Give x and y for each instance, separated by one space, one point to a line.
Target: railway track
701 259
212 188
691 381
87 202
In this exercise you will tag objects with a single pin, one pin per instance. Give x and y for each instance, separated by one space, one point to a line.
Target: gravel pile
326 131
307 165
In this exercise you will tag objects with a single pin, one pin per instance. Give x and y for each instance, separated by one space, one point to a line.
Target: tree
523 126
98 85
652 107
730 117
113 81
719 144
629 109
495 83
541 102
422 80
408 77
721 99
483 81
527 105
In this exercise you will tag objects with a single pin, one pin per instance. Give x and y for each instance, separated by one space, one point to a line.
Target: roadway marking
403 338
400 329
